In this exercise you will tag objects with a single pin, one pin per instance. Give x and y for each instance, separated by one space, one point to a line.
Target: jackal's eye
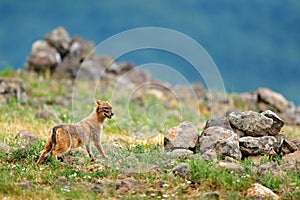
106 109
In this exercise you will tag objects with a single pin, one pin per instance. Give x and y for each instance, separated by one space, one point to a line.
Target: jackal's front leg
97 143
88 149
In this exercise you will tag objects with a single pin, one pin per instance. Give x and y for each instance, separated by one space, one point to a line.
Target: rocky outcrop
12 88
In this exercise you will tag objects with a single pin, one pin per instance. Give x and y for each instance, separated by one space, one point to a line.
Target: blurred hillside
254 44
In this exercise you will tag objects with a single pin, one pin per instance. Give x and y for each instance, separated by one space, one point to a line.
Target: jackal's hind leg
47 149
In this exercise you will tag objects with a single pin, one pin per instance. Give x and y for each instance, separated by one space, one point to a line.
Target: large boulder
256 124
183 136
251 146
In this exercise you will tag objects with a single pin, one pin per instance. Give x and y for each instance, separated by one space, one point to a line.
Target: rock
256 124
60 39
290 145
277 122
268 99
209 155
62 181
258 191
231 166
221 140
43 57
26 135
93 67
12 88
291 161
251 146
86 47
71 61
183 136
138 76
218 121
210 196
4 147
25 184
120 68
182 170
46 115
270 167
180 153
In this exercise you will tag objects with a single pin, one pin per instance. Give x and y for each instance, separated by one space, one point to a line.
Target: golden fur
69 136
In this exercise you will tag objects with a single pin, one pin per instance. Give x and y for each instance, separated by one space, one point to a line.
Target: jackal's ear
98 102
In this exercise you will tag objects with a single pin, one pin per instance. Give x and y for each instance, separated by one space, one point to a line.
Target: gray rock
277 122
4 147
291 162
268 99
93 67
231 166
181 153
270 167
71 61
256 124
218 121
185 136
290 145
209 155
60 39
27 135
210 196
251 146
12 88
181 170
86 47
62 181
221 140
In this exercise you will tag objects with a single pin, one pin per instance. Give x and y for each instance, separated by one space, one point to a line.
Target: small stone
62 181
180 153
209 155
26 135
231 166
258 191
181 170
4 147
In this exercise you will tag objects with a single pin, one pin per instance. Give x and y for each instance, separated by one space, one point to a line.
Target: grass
137 166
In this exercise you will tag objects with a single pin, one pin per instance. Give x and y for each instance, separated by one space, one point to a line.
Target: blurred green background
254 43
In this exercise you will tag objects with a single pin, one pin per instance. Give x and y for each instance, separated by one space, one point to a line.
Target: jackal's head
104 109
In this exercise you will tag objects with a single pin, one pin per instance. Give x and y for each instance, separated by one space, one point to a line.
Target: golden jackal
68 136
